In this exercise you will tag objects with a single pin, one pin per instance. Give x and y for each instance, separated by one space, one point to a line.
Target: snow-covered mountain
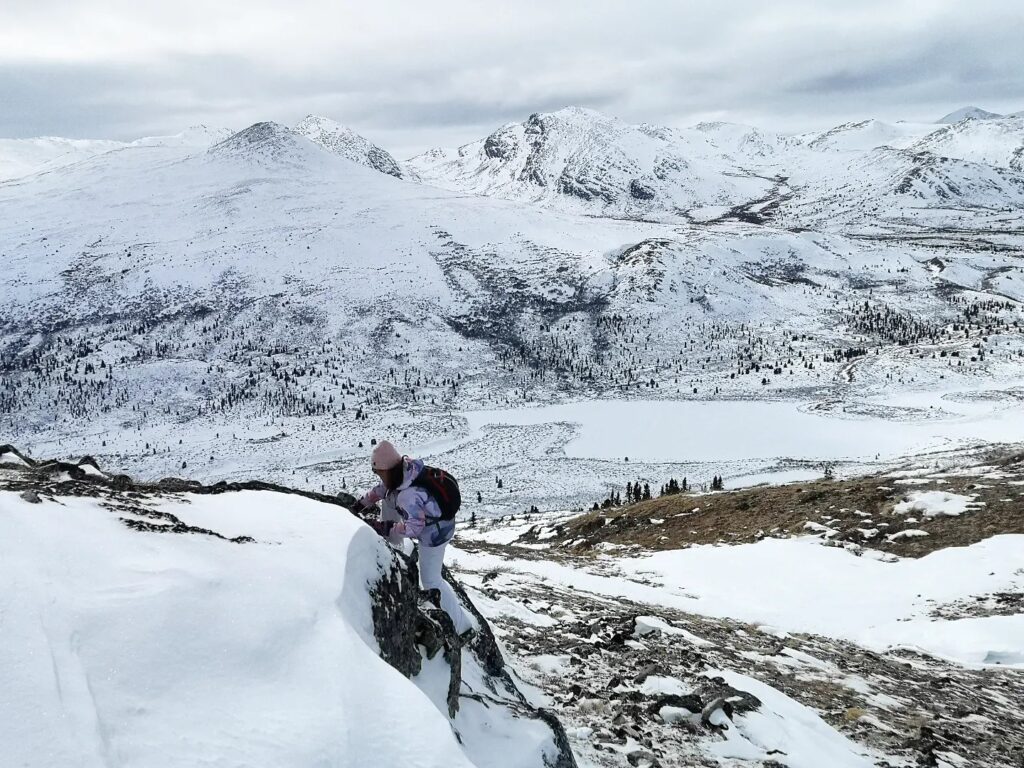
865 135
967 113
268 278
998 141
581 161
345 142
197 136
578 159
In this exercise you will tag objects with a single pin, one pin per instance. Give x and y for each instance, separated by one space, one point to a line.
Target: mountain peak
577 112
343 141
264 141
968 113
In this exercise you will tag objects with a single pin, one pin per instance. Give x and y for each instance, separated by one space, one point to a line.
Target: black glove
382 527
359 509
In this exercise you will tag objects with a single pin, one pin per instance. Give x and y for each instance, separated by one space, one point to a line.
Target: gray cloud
414 75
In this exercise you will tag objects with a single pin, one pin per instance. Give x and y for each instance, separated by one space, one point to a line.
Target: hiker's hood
411 469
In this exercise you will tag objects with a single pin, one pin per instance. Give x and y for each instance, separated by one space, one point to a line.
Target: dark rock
89 461
8 448
643 674
382 161
57 467
501 145
483 643
641 758
689 701
30 496
396 620
738 701
121 482
640 191
428 635
564 758
178 484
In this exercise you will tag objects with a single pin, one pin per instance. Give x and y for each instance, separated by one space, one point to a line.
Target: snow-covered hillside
345 142
154 627
23 157
998 142
967 113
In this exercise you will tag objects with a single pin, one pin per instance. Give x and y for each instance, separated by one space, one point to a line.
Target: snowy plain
736 430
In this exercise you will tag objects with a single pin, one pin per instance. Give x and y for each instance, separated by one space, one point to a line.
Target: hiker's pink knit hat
385 456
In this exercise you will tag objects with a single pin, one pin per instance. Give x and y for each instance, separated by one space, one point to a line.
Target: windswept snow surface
142 649
798 585
21 157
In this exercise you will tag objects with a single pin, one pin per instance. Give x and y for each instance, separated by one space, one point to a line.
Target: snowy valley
567 305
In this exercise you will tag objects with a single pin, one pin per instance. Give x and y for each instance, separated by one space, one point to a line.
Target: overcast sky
411 75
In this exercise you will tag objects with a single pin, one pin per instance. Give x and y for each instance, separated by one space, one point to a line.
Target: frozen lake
720 430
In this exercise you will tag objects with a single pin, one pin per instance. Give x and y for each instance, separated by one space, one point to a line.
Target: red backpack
443 489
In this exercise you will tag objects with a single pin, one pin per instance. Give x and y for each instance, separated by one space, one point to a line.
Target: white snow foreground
145 648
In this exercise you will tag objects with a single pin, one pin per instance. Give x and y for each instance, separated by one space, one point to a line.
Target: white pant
431 559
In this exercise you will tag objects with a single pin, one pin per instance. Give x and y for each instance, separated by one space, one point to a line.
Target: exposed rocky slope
654 670
908 515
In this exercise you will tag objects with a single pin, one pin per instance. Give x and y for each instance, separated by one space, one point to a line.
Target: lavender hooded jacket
421 517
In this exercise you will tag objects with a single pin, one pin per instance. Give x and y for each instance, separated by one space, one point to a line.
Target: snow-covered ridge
580 160
967 113
24 157
181 625
345 142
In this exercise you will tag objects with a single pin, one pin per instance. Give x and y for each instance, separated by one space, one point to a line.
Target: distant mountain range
255 273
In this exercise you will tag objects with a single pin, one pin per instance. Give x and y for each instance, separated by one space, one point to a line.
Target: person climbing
410 509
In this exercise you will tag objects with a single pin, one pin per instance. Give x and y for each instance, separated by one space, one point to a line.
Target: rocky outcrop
408 625
670 689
